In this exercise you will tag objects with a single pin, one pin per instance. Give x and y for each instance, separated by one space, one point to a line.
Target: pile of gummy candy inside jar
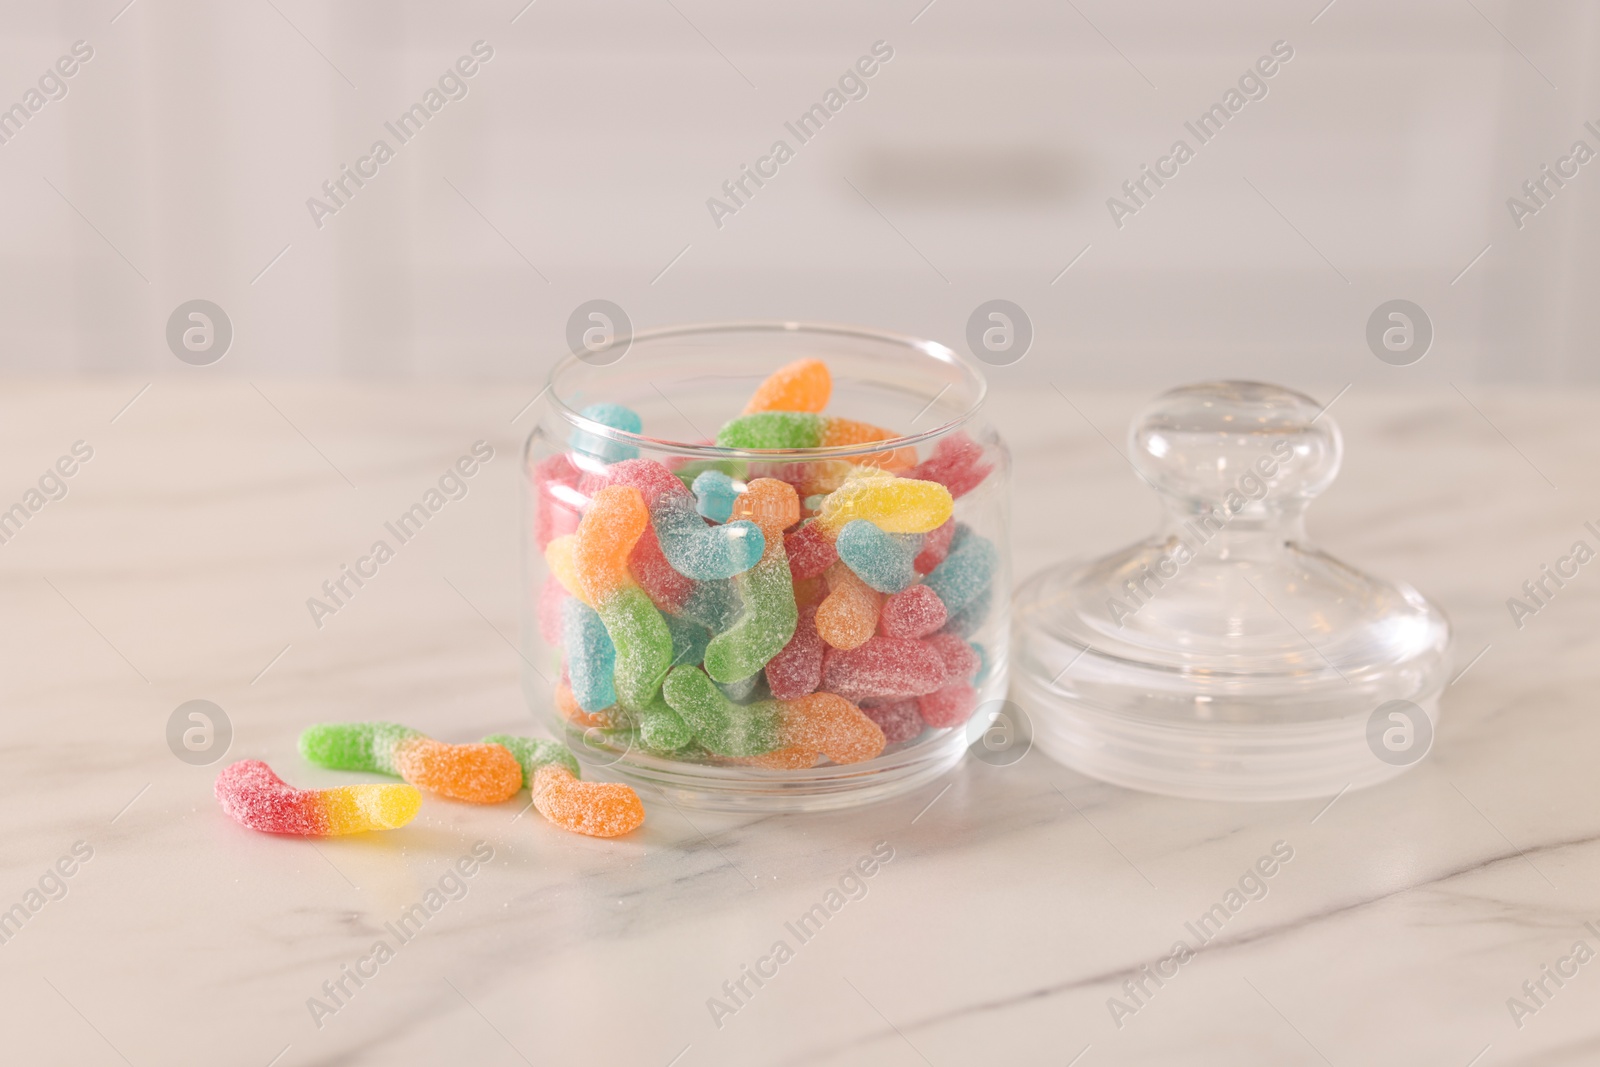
767 615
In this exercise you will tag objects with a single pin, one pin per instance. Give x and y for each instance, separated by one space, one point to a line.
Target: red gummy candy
556 511
957 464
912 613
797 670
950 706
883 667
935 547
899 720
551 594
810 552
960 661
667 588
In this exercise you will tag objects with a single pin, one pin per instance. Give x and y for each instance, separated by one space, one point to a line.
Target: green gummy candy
354 746
773 429
765 628
723 727
663 730
643 644
535 752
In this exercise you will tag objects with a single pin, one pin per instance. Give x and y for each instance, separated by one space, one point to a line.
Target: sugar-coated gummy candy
960 659
713 603
849 615
882 560
811 551
475 773
615 416
966 571
610 528
694 549
531 753
561 556
796 671
599 809
591 658
661 729
793 758
898 719
935 546
667 588
567 705
809 477
723 727
803 385
883 667
714 494
739 692
895 505
253 796
950 705
799 430
957 463
766 590
832 725
689 640
913 613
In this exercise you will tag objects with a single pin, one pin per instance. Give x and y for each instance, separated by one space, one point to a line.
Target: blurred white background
578 165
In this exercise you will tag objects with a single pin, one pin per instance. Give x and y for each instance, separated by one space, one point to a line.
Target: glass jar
683 384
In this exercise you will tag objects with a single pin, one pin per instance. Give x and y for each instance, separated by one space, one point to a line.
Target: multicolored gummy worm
475 773
253 796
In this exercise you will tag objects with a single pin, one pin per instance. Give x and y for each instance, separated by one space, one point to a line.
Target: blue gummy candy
703 552
882 560
591 658
618 418
715 495
966 571
689 640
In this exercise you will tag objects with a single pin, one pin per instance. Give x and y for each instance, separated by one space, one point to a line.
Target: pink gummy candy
898 719
556 511
912 613
950 706
960 661
810 551
935 547
957 464
666 587
883 667
797 670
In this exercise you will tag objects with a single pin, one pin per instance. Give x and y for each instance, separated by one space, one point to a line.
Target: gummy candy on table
830 724
913 613
558 505
966 571
591 658
694 549
811 551
957 463
598 809
898 719
253 796
935 546
714 495
531 753
802 430
723 727
614 416
610 528
882 560
849 614
796 671
766 590
803 385
883 667
475 773
894 505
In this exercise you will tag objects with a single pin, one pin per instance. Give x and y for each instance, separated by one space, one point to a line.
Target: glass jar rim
932 349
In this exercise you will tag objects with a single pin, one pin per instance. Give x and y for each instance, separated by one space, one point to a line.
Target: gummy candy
935 546
667 588
616 417
894 505
561 556
477 774
882 560
913 613
689 640
599 809
810 551
591 659
960 659
612 525
694 549
714 495
531 753
883 667
253 796
567 704
662 729
951 705
830 724
793 758
965 622
803 385
898 719
723 727
796 671
957 464
849 615
767 589
966 571
800 430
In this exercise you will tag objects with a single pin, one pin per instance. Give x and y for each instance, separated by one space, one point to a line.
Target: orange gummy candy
615 521
849 615
803 385
599 809
476 773
832 725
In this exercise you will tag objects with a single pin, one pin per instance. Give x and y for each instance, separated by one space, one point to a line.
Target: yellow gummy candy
562 557
894 505
353 809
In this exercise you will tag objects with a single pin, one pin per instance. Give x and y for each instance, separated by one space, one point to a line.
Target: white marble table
1018 900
